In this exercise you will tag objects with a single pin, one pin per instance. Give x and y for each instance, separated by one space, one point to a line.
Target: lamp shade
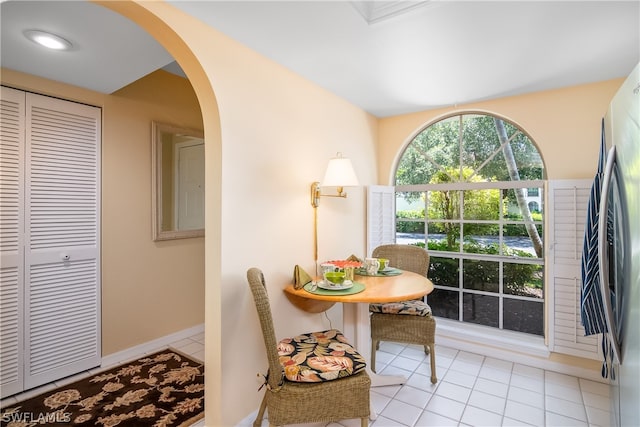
340 173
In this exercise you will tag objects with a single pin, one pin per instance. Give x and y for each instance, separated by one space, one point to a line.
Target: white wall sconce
339 174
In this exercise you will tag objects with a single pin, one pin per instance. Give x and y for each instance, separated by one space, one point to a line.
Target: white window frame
461 256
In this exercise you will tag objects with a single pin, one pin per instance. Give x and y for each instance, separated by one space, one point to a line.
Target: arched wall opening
169 28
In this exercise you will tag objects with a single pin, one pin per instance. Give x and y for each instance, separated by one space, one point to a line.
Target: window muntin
465 188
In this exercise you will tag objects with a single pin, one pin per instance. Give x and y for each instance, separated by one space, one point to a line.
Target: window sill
513 347
489 341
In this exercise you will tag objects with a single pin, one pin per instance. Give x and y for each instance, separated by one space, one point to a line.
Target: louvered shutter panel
62 239
567 213
381 216
12 136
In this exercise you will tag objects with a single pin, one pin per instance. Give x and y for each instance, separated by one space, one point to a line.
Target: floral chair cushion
319 356
412 308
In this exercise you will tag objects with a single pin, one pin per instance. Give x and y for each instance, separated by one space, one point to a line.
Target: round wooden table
405 286
356 326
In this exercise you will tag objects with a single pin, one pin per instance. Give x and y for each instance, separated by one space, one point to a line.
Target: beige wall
148 289
278 133
564 123
160 284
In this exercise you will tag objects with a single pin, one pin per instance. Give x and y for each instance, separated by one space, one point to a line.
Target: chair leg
364 422
432 356
263 406
373 354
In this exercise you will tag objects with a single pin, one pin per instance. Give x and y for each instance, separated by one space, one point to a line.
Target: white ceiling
388 57
110 51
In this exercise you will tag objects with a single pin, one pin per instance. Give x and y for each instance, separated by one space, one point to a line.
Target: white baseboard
149 346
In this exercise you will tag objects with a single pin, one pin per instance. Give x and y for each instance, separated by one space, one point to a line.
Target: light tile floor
472 390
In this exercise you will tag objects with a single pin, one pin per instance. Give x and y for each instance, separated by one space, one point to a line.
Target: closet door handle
65 257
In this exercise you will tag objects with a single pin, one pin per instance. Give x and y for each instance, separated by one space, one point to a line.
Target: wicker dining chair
315 377
409 322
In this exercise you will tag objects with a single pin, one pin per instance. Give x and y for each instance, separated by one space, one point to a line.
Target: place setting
377 267
337 278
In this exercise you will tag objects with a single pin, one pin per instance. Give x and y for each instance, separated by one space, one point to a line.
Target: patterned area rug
162 389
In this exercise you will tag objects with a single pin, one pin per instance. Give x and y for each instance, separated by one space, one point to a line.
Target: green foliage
513 230
479 204
410 226
517 278
537 216
444 271
472 138
433 147
518 230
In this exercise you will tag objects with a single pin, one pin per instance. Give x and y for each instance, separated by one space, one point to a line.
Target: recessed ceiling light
48 40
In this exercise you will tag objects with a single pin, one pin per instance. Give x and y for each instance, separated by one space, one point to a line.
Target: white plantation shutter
62 253
381 216
567 213
12 119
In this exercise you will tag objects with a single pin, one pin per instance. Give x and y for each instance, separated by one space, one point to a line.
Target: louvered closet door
62 317
12 118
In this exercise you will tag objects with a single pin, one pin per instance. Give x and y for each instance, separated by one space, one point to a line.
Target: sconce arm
316 194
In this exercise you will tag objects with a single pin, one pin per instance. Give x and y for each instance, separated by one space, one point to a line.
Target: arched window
463 187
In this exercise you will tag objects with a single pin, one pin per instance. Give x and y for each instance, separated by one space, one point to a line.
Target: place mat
390 272
356 288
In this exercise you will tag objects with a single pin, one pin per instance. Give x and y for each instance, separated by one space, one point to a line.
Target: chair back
261 299
405 257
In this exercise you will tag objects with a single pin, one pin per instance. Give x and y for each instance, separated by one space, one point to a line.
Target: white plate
331 287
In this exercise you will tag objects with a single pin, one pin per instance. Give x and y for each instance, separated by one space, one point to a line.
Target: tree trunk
514 174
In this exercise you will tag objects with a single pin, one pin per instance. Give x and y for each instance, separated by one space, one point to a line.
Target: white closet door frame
12 144
62 232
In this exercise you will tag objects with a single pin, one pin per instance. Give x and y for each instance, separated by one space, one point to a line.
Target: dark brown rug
165 389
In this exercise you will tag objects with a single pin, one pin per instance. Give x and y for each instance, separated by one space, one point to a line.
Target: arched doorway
169 29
